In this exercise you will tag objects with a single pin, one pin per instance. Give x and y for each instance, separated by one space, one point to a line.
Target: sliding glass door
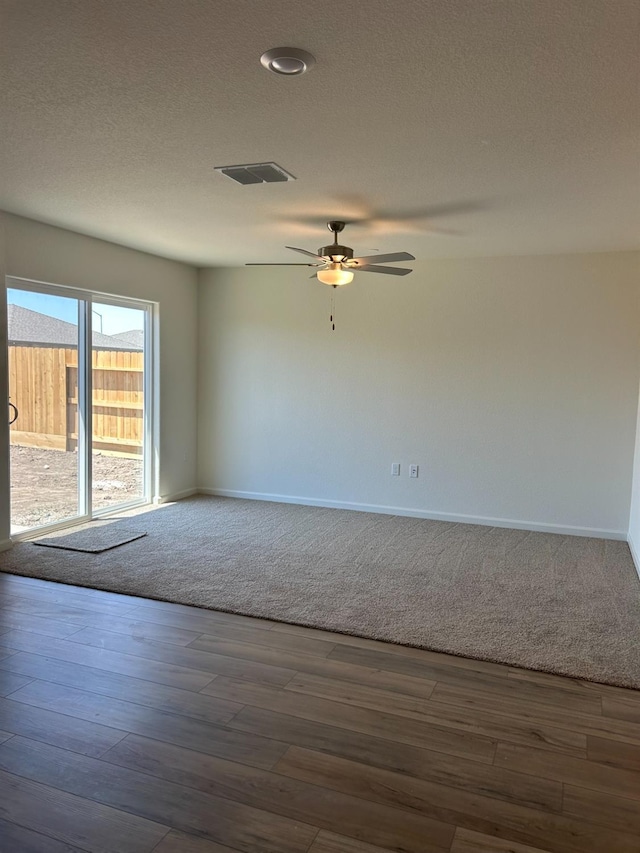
44 342
80 389
118 382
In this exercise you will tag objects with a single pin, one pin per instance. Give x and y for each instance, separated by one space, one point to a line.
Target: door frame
86 299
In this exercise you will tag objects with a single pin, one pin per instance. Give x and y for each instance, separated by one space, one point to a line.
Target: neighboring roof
30 327
133 336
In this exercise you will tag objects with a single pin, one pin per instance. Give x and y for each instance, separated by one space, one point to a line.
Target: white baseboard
6 544
635 556
177 496
513 523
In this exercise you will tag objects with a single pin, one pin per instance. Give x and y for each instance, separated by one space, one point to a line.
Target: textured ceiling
115 114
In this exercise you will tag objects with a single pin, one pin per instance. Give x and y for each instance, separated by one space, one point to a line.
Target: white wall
44 253
512 382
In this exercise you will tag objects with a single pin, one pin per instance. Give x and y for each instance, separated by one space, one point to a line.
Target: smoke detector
289 61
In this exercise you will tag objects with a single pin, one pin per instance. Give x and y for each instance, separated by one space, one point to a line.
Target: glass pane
118 405
43 388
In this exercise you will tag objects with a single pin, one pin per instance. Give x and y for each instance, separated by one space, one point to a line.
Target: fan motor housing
336 249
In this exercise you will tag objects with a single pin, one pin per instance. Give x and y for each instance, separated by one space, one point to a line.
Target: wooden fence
43 385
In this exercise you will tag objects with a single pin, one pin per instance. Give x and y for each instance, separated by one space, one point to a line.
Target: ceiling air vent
256 173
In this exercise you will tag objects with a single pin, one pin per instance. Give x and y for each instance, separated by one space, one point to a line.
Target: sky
108 319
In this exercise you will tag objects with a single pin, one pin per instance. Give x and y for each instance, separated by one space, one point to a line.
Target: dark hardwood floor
129 725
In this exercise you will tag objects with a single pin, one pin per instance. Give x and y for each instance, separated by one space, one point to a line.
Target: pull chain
332 315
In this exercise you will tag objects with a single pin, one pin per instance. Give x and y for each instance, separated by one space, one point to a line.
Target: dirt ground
44 484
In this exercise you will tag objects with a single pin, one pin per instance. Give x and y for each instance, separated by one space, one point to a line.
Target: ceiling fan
336 265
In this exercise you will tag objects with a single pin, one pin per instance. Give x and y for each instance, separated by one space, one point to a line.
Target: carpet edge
505 661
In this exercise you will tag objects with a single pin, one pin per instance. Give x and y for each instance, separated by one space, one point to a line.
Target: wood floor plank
199 619
483 814
512 729
159 696
181 842
83 617
66 597
154 799
586 724
390 755
18 584
10 681
143 668
17 839
564 682
490 684
355 694
612 752
84 736
428 657
75 820
298 801
468 841
265 638
488 725
363 720
20 621
185 657
169 613
329 842
606 810
572 771
61 611
623 707
485 724
384 701
171 728
316 665
389 647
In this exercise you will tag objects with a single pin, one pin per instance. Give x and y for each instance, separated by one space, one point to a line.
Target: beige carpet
563 604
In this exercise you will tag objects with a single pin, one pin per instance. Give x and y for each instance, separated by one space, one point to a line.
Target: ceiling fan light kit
336 264
335 275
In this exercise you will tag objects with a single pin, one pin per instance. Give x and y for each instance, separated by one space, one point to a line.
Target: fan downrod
335 250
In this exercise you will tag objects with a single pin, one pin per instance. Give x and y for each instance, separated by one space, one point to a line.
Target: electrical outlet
395 469
413 471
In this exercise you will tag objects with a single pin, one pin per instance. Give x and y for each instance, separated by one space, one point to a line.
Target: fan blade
358 212
383 259
387 270
283 265
304 252
431 211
